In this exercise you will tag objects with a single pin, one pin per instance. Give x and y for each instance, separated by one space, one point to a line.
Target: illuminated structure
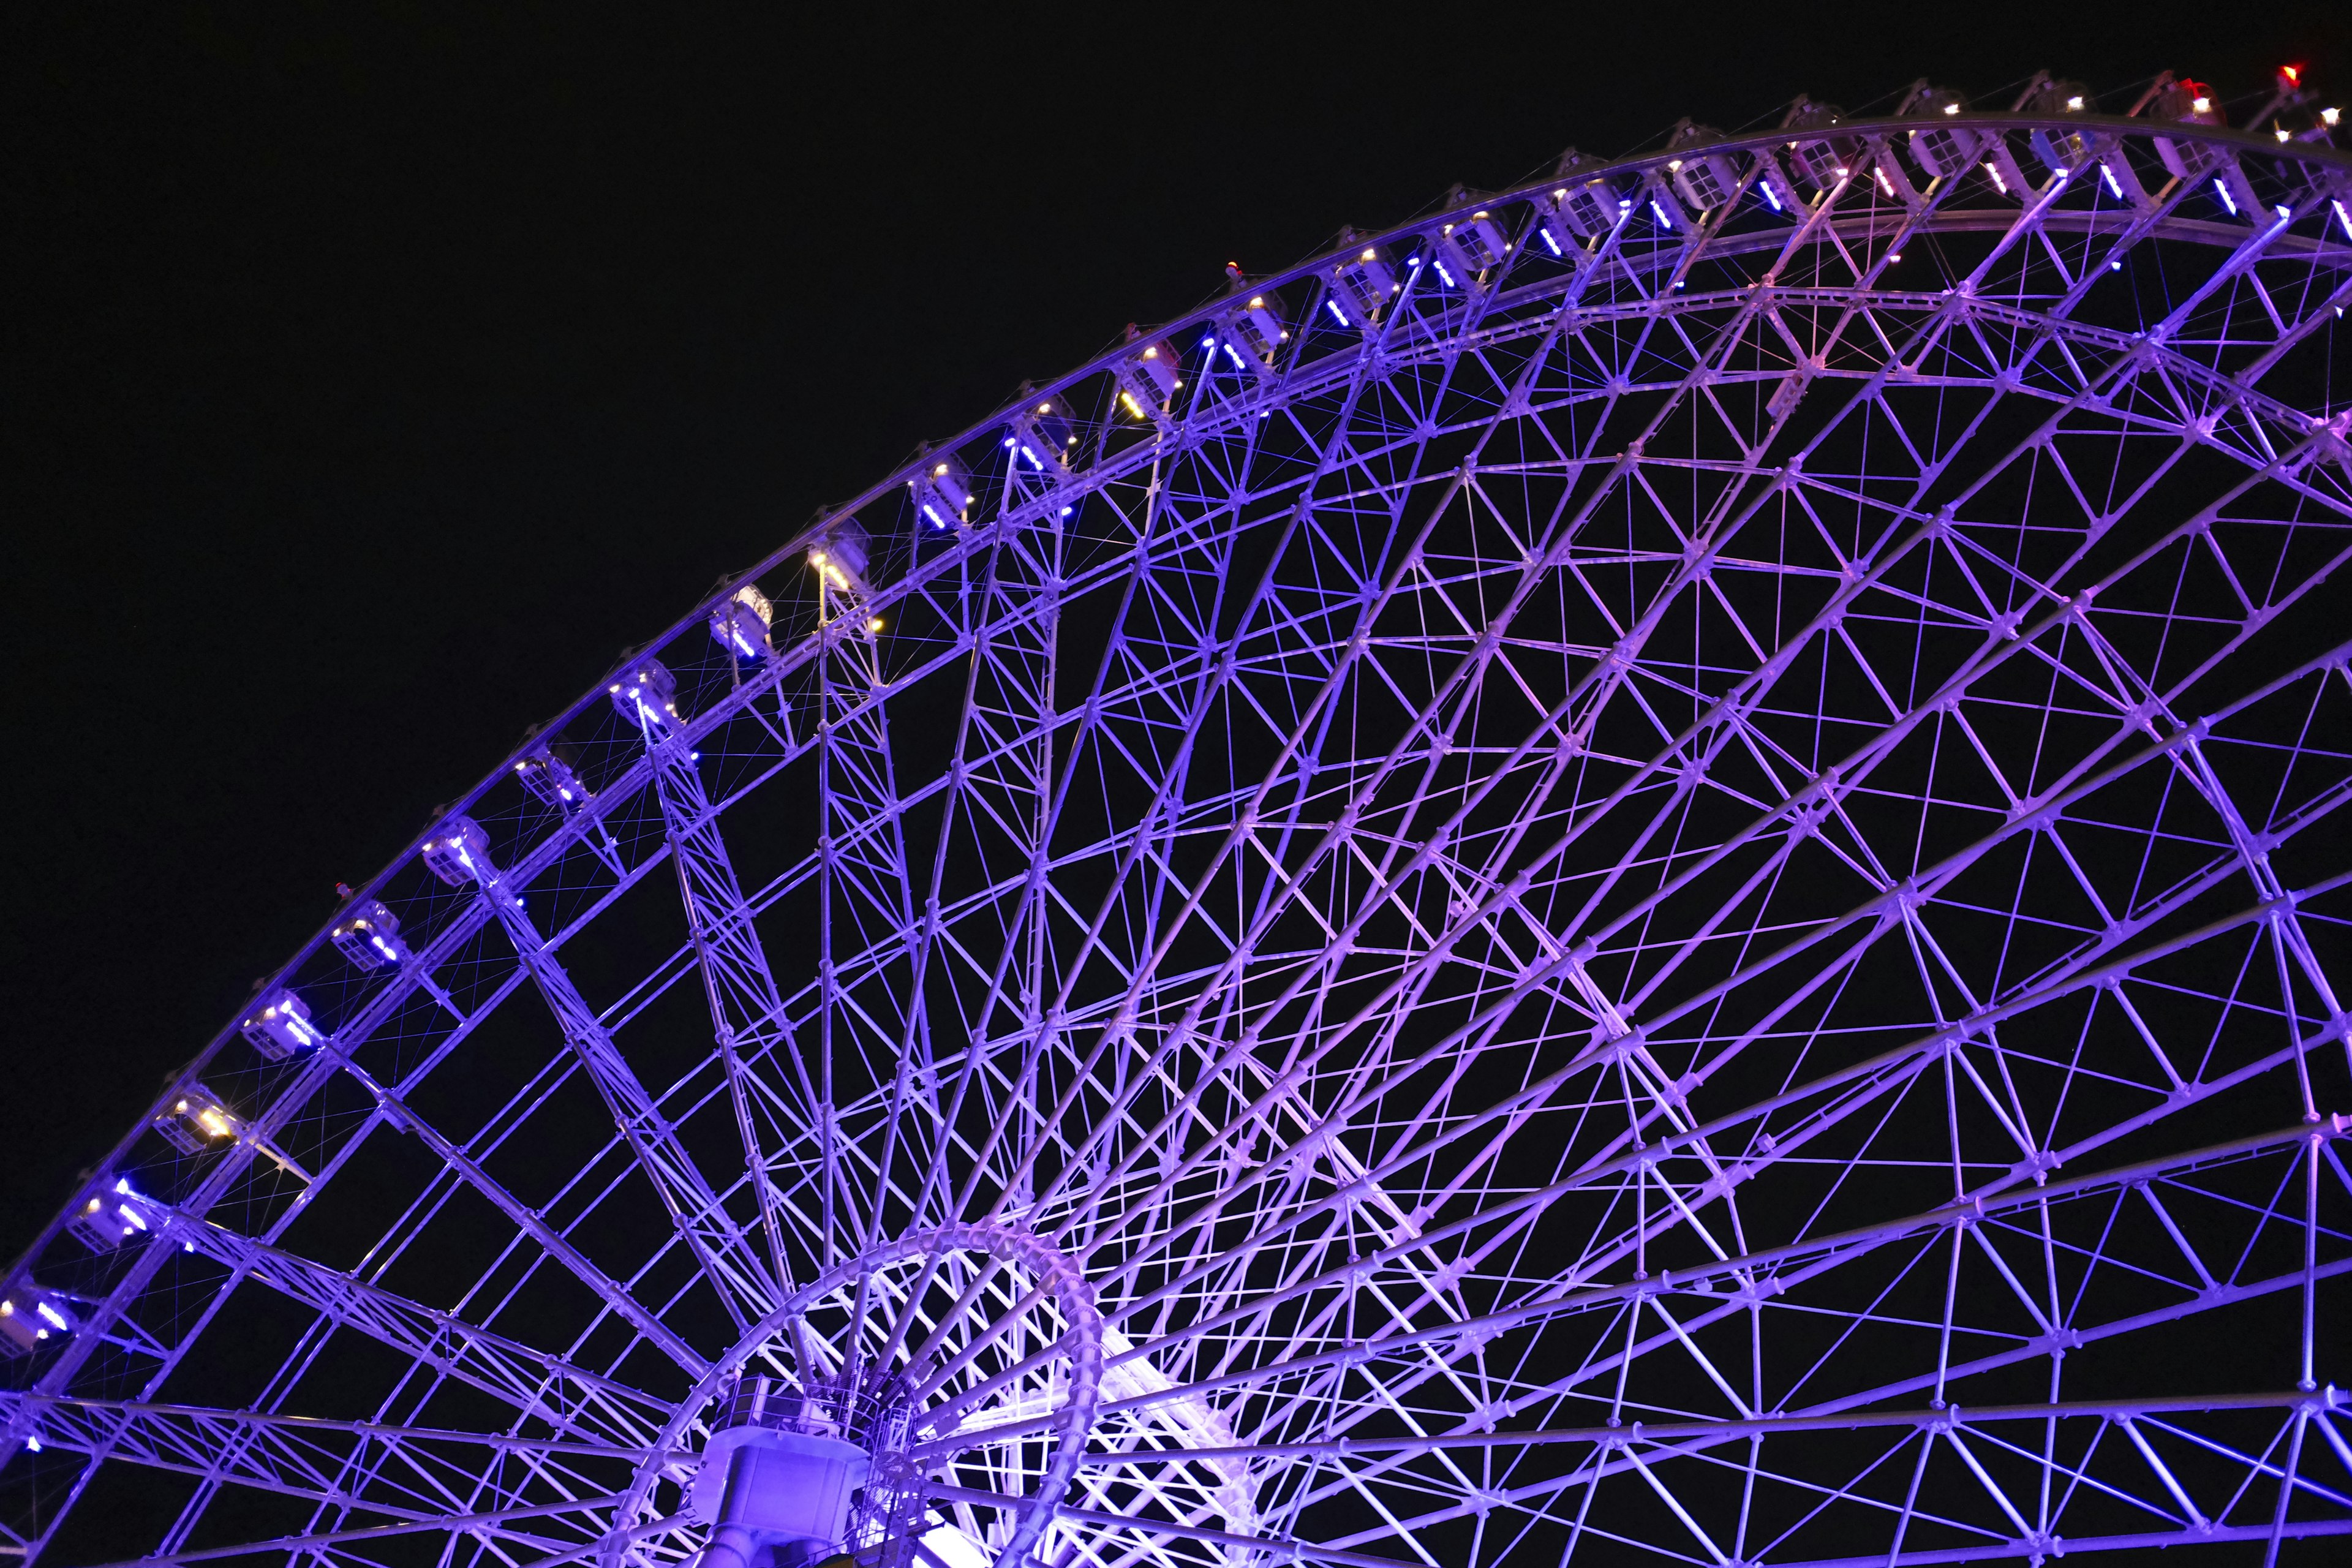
1652 871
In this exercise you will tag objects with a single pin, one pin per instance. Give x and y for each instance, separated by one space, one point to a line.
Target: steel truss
1673 892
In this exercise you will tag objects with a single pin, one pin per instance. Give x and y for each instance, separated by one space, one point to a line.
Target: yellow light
94 1206
875 625
213 1123
1044 408
8 1309
1673 163
615 688
1951 109
2327 116
1151 354
940 469
2074 103
1367 256
1132 406
2280 133
815 555
2200 104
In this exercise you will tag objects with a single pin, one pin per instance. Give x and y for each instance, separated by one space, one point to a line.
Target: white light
50 1313
2223 190
2201 105
2074 103
1951 109
33 1444
2344 218
2113 184
2327 116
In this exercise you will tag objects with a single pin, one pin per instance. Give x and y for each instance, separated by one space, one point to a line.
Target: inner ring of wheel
1058 1278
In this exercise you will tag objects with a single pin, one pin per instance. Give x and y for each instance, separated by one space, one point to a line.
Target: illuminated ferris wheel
1653 870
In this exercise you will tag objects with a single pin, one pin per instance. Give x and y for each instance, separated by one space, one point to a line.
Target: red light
2292 73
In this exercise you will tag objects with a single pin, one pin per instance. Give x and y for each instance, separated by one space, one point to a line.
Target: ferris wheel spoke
1170 780
1308 717
1788 1271
1660 600
729 1264
746 1012
1025 923
583 1514
615 1296
405 1473
1005 750
542 1386
1875 1080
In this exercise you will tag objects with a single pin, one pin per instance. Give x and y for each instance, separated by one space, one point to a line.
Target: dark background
371 376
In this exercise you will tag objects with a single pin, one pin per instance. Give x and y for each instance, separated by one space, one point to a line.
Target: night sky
372 377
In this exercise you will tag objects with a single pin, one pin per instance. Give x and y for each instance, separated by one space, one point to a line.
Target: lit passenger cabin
647 695
739 623
1361 287
458 852
30 1316
1942 150
942 493
370 937
1707 179
2063 152
196 1120
1468 246
1042 435
1258 327
110 1213
1821 162
279 1026
1148 379
2188 102
1588 209
548 776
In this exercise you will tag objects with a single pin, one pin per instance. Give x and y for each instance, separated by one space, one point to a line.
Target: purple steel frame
1682 900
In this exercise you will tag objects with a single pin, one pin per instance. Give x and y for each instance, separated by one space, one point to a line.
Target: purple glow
1603 926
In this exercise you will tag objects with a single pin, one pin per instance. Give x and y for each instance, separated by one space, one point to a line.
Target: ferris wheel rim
573 834
1640 162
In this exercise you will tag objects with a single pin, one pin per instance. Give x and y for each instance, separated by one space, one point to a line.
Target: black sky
369 377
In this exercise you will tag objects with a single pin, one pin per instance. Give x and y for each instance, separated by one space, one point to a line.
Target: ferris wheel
1653 870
